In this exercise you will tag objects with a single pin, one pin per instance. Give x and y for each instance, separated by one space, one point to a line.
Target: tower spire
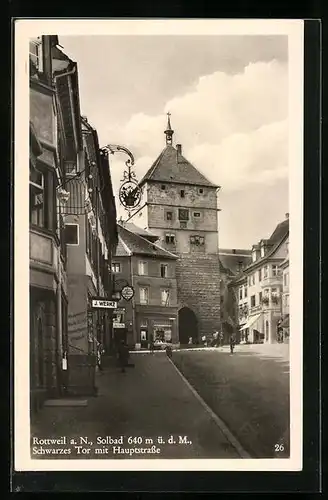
169 131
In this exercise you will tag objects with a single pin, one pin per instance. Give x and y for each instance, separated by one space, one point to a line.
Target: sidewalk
147 402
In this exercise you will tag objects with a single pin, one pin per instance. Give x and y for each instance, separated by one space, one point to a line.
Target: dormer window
254 255
262 250
35 52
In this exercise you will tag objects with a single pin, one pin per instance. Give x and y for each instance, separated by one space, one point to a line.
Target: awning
250 321
285 322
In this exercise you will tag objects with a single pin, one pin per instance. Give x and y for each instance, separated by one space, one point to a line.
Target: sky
228 99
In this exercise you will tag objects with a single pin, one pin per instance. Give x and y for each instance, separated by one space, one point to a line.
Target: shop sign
103 304
118 325
127 292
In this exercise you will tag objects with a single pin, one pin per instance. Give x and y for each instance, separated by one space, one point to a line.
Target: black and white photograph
158 244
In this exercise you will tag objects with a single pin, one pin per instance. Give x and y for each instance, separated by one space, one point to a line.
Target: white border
27 28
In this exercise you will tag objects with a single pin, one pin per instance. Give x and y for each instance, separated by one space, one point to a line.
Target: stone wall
198 279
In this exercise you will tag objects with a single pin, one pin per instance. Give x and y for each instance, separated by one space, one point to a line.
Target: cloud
233 128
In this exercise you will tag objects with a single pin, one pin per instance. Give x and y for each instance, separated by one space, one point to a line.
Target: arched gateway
188 326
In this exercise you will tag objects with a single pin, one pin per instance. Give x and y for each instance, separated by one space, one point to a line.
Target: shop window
72 234
170 239
164 270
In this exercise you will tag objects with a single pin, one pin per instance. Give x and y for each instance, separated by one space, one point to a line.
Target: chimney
179 149
287 215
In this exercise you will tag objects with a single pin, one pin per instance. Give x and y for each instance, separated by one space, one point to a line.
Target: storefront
161 328
119 325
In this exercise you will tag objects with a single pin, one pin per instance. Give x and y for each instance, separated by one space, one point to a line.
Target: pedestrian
99 352
221 339
151 345
204 340
123 355
232 343
215 339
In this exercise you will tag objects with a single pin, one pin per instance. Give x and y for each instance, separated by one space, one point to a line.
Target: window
163 187
144 295
70 168
169 216
164 270
240 293
245 291
260 297
262 251
260 275
254 255
116 267
265 272
170 239
182 193
253 301
249 281
35 52
183 225
142 268
183 214
197 240
287 300
165 296
37 207
200 190
253 279
286 276
196 215
275 270
71 234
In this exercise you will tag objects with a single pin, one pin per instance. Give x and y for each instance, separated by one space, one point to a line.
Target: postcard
158 245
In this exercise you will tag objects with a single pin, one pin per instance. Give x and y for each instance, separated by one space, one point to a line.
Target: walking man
232 343
123 355
151 345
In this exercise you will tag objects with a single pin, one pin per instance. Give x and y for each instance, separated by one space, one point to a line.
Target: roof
280 232
232 262
141 232
171 166
130 243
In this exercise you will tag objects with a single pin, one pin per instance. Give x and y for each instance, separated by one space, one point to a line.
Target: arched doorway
188 326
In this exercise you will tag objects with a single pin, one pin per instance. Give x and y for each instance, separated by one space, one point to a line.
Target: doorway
188 326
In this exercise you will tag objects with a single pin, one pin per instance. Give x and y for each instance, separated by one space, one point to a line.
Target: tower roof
171 166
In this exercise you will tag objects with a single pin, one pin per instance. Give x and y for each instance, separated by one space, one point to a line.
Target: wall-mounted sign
127 292
118 325
103 304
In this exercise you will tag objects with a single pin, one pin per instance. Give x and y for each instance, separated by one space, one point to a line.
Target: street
146 405
249 390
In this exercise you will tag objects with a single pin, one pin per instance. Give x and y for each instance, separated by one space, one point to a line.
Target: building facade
232 263
284 323
259 289
47 252
180 206
152 312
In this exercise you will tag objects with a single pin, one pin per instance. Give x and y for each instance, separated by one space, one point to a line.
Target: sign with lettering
127 292
103 304
118 325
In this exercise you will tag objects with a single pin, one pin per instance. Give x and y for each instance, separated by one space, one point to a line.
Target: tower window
182 193
196 215
200 190
170 239
169 215
183 224
163 187
197 240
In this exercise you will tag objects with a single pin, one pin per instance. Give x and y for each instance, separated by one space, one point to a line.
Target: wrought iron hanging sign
130 192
